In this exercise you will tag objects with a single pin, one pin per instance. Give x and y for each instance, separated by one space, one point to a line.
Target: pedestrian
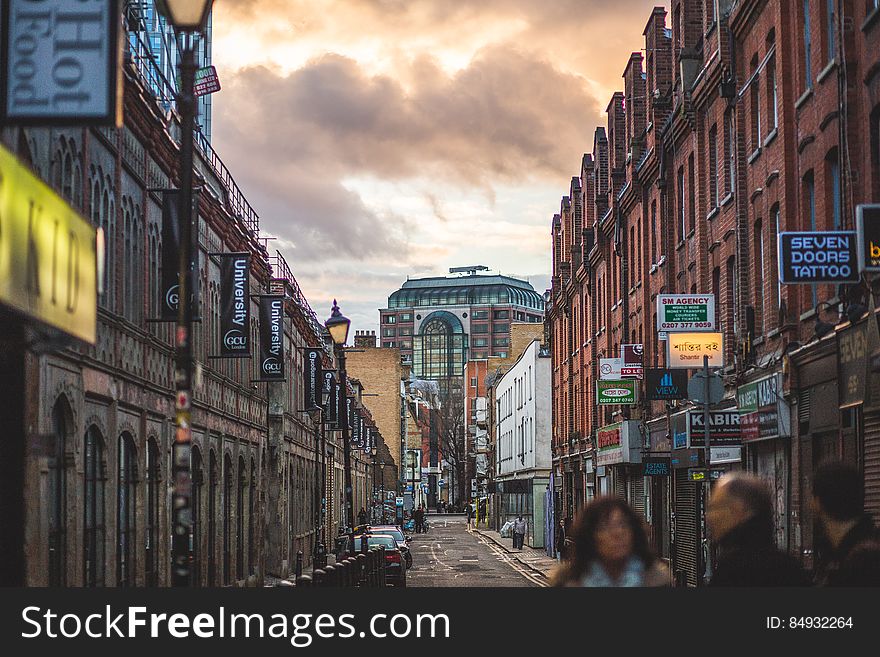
419 518
610 548
740 521
849 552
362 516
519 532
560 540
469 510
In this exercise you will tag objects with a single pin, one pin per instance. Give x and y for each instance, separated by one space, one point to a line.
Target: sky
381 139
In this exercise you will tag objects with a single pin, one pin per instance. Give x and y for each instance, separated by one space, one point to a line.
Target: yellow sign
48 256
686 350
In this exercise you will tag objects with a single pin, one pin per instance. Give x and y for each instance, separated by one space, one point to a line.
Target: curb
535 570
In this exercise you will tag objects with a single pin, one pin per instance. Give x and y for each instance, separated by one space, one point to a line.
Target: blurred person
850 555
519 532
739 517
610 548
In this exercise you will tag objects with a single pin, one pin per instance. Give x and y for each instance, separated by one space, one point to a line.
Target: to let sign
61 62
48 254
818 257
685 312
686 350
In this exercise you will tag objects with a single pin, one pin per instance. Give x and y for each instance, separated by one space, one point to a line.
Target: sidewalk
533 558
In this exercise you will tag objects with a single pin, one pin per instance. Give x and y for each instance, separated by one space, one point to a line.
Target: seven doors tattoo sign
272 337
235 307
818 257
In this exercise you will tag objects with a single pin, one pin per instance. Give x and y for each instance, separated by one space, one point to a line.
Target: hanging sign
686 350
170 278
206 81
724 429
685 312
272 337
665 384
330 389
621 391
868 230
631 355
312 378
235 305
62 63
818 257
610 368
48 254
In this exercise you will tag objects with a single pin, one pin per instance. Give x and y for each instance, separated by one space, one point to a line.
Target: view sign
868 227
685 312
818 257
687 350
61 62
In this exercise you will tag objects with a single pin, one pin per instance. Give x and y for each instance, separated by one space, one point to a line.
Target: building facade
742 120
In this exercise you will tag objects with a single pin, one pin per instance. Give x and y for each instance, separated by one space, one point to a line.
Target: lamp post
188 18
382 498
337 325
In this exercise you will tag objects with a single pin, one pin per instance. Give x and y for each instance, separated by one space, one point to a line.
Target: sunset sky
383 138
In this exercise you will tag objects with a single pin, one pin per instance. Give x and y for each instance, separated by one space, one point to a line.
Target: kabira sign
685 312
818 257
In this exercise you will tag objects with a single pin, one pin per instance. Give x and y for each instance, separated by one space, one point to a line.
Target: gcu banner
313 378
169 292
331 389
272 337
235 307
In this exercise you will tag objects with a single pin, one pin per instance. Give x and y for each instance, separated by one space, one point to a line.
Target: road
449 555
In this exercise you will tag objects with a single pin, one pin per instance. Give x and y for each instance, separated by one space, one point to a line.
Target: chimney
365 339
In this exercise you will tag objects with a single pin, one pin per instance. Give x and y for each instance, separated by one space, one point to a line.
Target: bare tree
451 432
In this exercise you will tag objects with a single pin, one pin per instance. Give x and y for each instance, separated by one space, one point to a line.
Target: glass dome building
438 323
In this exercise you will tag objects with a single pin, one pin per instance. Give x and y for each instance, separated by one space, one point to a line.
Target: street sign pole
704 489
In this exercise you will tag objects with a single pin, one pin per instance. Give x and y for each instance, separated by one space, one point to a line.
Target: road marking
502 556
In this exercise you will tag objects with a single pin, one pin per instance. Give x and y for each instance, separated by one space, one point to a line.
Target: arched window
228 483
93 507
239 525
196 505
213 476
152 529
252 494
61 426
126 511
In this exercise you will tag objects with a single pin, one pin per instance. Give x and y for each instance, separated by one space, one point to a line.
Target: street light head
338 325
186 15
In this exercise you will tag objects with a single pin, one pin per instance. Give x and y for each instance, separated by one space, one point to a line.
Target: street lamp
337 325
187 17
382 499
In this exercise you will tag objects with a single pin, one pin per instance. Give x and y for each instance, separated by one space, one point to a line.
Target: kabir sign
686 350
685 312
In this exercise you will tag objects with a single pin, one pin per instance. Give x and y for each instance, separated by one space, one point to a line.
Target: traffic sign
398 501
697 388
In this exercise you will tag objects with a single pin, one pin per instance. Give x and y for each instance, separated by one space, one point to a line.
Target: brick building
744 119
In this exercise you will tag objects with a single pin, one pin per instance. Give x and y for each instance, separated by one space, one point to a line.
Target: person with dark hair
610 548
740 521
851 556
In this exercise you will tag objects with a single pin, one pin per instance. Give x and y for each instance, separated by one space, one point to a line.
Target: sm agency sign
818 257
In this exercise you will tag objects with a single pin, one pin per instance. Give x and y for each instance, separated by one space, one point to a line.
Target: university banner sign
620 391
331 390
663 384
235 305
272 337
685 312
687 350
818 257
48 254
868 230
312 378
61 62
170 279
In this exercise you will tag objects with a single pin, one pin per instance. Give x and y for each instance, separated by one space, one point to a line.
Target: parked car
401 538
395 564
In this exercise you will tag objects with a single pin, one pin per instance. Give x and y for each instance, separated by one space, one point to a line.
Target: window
213 491
501 327
760 277
126 511
809 204
729 152
405 330
480 314
714 198
830 40
682 227
654 255
57 507
389 319
228 485
808 45
755 106
389 333
772 94
776 218
406 344
152 529
833 173
196 540
692 194
480 342
502 314
252 510
473 382
239 520
405 317
500 342
93 507
479 328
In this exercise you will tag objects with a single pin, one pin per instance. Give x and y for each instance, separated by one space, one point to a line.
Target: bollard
349 571
298 569
318 577
362 569
330 573
341 575
364 544
383 582
304 580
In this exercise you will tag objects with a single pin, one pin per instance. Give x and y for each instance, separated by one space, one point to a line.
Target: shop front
619 457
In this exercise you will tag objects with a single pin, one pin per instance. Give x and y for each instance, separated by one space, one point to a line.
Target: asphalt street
449 555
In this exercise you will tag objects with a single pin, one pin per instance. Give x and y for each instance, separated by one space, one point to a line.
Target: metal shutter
872 463
684 551
637 494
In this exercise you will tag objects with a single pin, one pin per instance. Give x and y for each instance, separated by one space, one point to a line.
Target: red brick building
744 119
